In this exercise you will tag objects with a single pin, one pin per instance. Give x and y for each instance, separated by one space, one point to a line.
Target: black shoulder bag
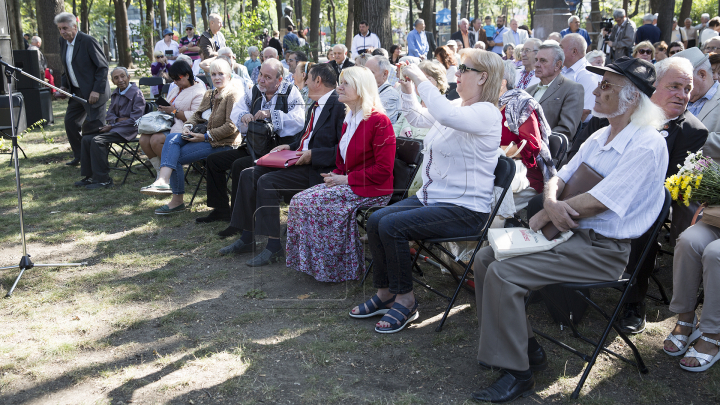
261 137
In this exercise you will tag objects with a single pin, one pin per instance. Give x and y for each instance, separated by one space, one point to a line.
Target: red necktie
309 127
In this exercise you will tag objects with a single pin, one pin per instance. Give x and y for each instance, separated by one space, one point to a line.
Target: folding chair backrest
657 225
408 158
152 81
204 79
558 147
150 106
165 90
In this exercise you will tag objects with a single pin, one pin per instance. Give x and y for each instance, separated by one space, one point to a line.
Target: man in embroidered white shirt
632 158
574 46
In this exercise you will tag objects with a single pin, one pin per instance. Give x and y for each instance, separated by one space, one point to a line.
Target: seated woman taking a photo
184 99
460 155
322 238
215 133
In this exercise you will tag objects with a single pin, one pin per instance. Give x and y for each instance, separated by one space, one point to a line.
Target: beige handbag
710 215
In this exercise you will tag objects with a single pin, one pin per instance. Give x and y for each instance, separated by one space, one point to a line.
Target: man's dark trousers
235 160
75 115
94 155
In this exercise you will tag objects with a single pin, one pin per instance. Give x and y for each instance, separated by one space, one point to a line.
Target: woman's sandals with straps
682 342
373 307
398 317
706 360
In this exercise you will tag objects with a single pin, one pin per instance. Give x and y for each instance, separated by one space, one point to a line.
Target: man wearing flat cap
631 156
705 97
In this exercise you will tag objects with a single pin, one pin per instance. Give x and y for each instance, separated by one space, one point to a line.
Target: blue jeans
390 229
177 152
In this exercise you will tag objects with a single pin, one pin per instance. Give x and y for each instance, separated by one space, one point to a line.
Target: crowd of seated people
636 115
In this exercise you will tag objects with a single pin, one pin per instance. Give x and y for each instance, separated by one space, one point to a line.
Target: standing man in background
515 35
85 73
466 38
290 40
574 28
496 40
189 43
212 39
622 36
364 40
417 40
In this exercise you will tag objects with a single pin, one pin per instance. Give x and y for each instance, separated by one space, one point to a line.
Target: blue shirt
290 39
489 30
498 37
697 106
647 32
580 31
417 44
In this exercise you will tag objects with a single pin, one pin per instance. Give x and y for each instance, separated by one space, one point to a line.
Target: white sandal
682 342
706 360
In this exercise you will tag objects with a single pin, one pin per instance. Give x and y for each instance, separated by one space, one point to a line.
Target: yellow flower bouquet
697 180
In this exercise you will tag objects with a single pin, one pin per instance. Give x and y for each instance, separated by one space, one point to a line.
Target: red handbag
280 159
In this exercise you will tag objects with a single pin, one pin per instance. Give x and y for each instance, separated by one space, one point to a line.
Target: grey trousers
696 260
500 289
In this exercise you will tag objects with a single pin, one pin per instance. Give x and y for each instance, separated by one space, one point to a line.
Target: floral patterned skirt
322 235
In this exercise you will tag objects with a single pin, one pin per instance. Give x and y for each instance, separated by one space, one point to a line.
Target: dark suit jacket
345 64
89 65
458 37
325 137
431 44
684 134
562 105
275 43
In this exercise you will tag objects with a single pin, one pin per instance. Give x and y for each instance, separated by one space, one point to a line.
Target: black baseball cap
640 72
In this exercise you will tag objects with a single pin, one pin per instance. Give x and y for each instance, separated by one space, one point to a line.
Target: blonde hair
437 72
158 53
222 66
643 44
518 52
362 80
492 64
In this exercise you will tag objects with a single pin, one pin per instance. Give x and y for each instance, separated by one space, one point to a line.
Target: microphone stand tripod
25 262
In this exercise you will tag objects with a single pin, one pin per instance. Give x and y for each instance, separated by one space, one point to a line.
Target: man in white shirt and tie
85 75
574 46
632 157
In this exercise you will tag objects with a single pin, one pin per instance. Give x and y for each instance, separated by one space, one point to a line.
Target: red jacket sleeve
530 132
383 145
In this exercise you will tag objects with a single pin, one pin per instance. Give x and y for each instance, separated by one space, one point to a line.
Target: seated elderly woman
509 52
596 58
675 47
184 99
127 105
645 51
159 68
458 178
322 237
696 259
195 142
525 139
660 50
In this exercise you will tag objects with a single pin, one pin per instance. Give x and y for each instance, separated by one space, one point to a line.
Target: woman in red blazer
322 238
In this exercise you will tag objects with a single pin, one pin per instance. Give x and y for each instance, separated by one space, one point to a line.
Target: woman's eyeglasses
188 29
604 85
464 68
671 53
645 51
158 57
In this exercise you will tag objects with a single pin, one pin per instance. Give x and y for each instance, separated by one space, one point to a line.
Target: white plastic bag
511 242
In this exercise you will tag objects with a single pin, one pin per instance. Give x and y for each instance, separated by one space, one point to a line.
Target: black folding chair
622 284
152 81
132 147
201 168
558 148
165 90
504 173
5 128
408 158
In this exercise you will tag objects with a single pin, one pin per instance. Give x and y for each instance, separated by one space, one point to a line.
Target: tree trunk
314 27
685 10
350 23
655 6
477 9
150 18
46 11
121 33
162 9
634 13
193 16
425 14
377 14
204 13
85 16
626 6
453 16
15 24
531 13
74 7
279 12
464 9
333 21
254 5
665 16
299 14
410 16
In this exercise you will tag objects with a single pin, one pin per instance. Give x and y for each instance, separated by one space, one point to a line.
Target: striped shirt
633 166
